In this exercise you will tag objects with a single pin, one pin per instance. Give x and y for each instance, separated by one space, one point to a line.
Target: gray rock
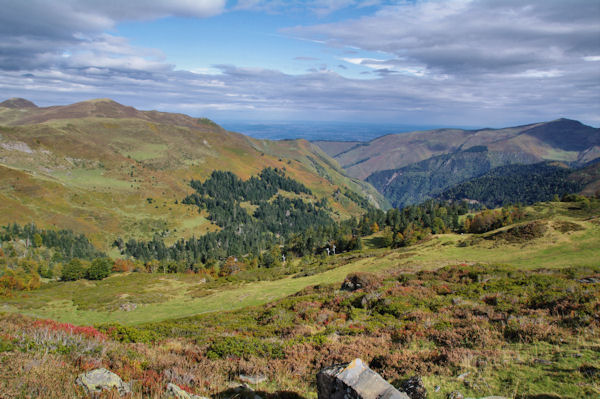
252 379
101 379
354 381
173 391
414 388
455 395
589 280
128 307
463 376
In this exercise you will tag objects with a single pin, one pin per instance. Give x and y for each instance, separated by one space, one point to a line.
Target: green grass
147 151
161 297
92 178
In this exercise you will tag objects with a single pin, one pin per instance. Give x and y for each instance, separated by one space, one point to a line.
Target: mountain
512 184
562 139
409 168
417 182
106 170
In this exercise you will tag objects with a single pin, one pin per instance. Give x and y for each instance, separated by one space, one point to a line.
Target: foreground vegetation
512 311
480 329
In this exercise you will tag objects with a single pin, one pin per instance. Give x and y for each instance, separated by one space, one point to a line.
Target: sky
490 63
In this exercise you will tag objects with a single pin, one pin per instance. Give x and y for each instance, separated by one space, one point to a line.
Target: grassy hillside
93 166
503 313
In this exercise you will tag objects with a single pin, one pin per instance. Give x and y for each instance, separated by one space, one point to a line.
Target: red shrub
87 331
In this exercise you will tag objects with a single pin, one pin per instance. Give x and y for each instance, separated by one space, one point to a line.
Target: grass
161 297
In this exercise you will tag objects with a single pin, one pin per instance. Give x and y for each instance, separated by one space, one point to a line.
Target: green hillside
107 170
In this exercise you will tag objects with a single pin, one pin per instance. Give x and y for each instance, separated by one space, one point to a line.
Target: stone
414 388
463 376
128 307
354 381
173 391
455 395
101 379
252 379
589 280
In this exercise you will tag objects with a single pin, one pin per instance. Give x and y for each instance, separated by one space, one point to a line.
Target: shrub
126 334
99 269
243 348
73 270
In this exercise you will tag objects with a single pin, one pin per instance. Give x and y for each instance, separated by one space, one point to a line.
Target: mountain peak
16 102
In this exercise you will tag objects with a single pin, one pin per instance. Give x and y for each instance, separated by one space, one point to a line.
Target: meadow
511 312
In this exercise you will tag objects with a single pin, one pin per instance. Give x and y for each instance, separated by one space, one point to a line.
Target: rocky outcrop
354 381
101 379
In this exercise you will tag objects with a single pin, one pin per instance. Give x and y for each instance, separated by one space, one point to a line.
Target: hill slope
562 139
511 184
105 169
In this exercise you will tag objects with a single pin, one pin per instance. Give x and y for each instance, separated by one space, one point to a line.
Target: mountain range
411 167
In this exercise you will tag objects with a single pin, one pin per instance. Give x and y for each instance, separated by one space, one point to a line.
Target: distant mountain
562 139
511 184
17 103
409 168
417 182
106 170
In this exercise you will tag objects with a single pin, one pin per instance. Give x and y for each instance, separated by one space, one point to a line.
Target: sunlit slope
105 169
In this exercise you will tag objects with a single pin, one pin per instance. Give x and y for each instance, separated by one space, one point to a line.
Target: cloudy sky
451 62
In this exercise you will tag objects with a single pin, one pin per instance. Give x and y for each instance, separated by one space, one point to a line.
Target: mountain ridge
398 150
105 169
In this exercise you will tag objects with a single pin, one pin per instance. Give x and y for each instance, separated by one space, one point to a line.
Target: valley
171 251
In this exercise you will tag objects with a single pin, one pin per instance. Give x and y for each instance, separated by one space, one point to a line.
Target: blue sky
438 62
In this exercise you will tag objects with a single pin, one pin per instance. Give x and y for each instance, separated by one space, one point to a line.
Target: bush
99 269
243 348
126 334
73 270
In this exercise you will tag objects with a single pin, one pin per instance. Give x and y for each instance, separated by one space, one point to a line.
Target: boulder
414 388
173 391
101 379
252 379
354 381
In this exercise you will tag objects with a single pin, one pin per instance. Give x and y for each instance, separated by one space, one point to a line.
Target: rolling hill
107 170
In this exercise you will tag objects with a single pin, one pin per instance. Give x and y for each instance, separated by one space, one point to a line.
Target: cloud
455 62
36 33
463 37
304 58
